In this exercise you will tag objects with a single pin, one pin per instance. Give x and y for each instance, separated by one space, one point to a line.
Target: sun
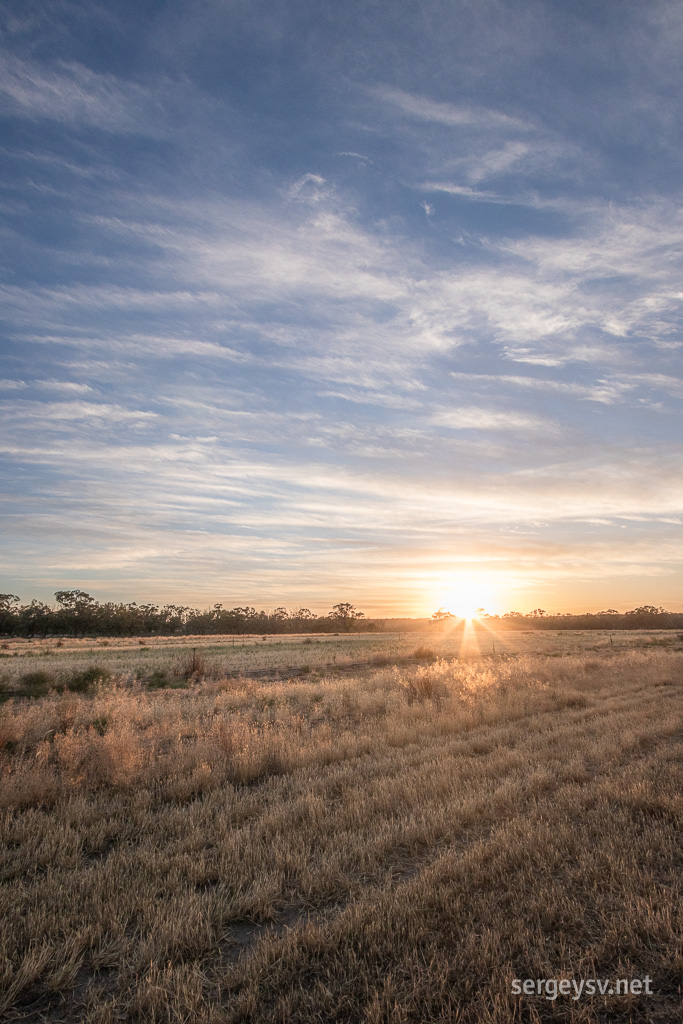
467 600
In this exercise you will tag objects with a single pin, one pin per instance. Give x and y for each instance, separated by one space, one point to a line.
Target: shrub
424 654
81 682
36 683
158 679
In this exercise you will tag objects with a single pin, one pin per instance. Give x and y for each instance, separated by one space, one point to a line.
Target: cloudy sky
368 300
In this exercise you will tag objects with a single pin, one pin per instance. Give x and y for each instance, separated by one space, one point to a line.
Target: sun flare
468 600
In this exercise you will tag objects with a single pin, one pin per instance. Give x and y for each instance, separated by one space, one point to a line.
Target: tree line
646 616
79 614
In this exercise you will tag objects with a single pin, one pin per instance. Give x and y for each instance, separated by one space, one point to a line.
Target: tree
303 619
34 618
346 615
8 612
78 613
277 621
74 600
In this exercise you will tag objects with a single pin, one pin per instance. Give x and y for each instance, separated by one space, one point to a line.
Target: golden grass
285 654
393 846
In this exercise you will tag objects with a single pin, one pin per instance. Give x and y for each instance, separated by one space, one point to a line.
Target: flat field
356 829
287 655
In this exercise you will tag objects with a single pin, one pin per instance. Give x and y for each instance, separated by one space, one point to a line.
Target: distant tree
174 617
303 620
78 612
346 615
35 617
74 599
278 621
8 612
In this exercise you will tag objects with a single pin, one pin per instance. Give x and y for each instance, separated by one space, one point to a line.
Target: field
286 655
341 828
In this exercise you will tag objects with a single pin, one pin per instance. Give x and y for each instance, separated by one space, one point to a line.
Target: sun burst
468 599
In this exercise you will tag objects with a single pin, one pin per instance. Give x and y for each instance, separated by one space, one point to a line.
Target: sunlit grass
381 844
142 657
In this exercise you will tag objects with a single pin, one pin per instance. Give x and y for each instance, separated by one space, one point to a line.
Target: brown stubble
345 849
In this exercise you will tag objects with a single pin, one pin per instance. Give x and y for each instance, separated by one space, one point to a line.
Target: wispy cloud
54 412
606 392
657 382
75 94
67 386
474 417
449 114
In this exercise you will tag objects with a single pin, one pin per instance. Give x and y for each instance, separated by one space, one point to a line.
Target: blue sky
309 302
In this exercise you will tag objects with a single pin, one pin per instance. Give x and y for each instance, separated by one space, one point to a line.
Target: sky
365 301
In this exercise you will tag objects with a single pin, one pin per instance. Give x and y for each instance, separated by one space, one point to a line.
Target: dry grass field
392 837
286 655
